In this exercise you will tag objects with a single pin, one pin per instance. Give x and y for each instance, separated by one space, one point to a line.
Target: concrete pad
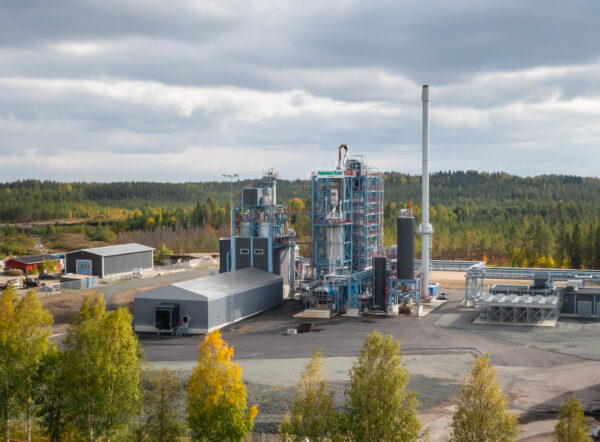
433 305
314 313
546 323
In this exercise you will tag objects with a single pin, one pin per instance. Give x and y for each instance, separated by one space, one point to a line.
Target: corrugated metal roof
34 259
121 249
212 287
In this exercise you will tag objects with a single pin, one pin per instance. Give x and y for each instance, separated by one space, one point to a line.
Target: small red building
27 263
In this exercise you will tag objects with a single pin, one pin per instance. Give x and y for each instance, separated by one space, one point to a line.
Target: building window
258 251
244 251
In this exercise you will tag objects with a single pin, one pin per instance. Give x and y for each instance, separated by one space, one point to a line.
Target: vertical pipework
425 229
342 164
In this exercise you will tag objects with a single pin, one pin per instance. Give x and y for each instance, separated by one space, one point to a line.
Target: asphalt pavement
263 336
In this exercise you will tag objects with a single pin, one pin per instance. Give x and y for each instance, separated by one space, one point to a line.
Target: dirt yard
456 280
64 306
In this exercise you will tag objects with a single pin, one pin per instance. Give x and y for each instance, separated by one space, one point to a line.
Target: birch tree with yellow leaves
216 404
8 359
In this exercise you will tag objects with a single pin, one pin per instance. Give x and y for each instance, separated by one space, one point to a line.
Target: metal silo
405 237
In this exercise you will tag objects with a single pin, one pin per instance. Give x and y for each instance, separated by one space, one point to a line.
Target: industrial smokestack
425 229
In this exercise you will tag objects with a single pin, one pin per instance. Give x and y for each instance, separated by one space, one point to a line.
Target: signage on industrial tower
330 173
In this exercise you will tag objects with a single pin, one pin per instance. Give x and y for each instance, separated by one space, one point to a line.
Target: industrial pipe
425 228
342 146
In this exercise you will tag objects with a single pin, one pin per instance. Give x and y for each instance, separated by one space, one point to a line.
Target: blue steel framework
321 187
360 202
258 215
403 289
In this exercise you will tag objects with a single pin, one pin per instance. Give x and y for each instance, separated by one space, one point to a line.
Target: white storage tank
245 228
263 229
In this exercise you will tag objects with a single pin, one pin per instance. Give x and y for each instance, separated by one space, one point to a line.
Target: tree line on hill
543 221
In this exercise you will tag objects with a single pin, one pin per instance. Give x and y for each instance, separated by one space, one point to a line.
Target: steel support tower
347 229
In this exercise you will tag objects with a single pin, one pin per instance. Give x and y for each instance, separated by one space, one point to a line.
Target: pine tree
216 403
378 405
572 425
576 247
313 414
596 259
482 413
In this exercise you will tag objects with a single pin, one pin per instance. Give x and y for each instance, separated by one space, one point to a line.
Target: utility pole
231 177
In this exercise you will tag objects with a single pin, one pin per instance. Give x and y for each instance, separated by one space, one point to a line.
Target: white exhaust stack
425 229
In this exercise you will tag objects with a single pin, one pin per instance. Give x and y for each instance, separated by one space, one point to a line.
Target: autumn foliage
216 407
572 425
482 412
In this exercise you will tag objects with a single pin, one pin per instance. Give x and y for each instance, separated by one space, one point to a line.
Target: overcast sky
190 90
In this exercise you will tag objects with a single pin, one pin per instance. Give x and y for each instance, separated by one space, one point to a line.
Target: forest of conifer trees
543 221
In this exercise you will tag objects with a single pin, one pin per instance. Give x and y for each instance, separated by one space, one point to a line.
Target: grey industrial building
581 302
206 304
109 260
535 303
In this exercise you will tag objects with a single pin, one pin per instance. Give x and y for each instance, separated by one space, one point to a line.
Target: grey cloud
491 109
38 22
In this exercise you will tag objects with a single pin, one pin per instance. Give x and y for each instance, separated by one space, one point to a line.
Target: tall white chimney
425 229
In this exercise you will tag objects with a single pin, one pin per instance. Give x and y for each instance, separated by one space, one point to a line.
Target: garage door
83 267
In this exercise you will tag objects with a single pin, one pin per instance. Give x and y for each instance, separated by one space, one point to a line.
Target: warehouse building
27 264
205 304
110 260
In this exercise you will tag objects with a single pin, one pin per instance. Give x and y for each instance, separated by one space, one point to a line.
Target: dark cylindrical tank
405 237
379 280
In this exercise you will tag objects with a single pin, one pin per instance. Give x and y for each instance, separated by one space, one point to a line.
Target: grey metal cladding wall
261 259
242 260
281 263
71 262
246 303
277 262
568 303
584 297
127 262
220 311
196 309
77 284
250 196
277 258
224 247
